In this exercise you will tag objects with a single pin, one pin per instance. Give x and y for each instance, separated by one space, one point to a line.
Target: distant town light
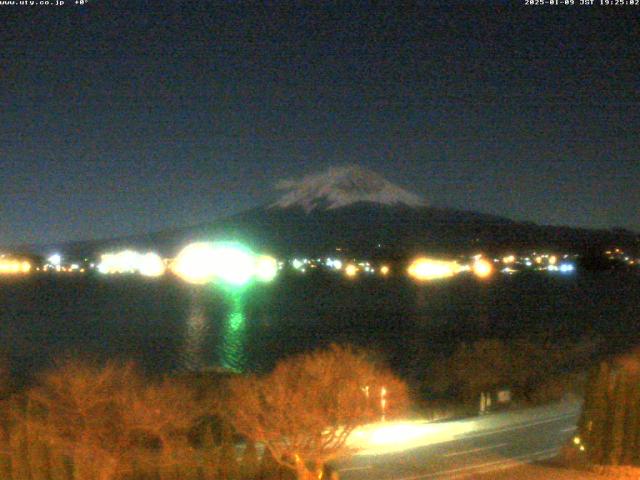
120 262
196 263
14 266
424 269
566 268
482 268
333 263
204 262
509 259
351 270
55 259
151 265
266 268
233 264
128 261
384 270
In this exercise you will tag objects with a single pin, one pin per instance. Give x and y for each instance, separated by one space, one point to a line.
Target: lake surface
166 325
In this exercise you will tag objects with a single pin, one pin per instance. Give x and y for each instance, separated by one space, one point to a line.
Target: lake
166 325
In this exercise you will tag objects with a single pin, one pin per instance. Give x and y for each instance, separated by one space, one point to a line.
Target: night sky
126 117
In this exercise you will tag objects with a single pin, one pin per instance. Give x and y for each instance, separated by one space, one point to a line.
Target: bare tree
106 419
306 408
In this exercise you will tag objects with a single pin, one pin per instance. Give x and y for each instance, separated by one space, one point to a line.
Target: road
460 449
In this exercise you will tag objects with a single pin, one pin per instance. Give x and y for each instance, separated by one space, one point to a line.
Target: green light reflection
233 355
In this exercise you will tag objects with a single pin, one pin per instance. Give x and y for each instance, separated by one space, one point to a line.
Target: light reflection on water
194 354
201 350
233 351
164 325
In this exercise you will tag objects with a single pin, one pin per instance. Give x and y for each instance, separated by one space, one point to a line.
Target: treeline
27 455
536 371
84 421
609 427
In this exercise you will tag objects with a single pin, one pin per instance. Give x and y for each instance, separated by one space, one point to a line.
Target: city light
121 262
129 261
566 268
196 263
226 263
351 270
334 263
482 268
151 265
424 269
55 259
14 266
233 264
266 268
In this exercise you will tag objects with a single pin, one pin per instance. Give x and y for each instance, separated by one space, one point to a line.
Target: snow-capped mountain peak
342 186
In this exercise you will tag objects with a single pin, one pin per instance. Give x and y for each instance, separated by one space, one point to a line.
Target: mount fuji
360 212
342 186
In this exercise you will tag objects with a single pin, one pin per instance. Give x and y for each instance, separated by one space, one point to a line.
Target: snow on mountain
342 186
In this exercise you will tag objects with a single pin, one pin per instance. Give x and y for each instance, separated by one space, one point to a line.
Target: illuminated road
459 449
